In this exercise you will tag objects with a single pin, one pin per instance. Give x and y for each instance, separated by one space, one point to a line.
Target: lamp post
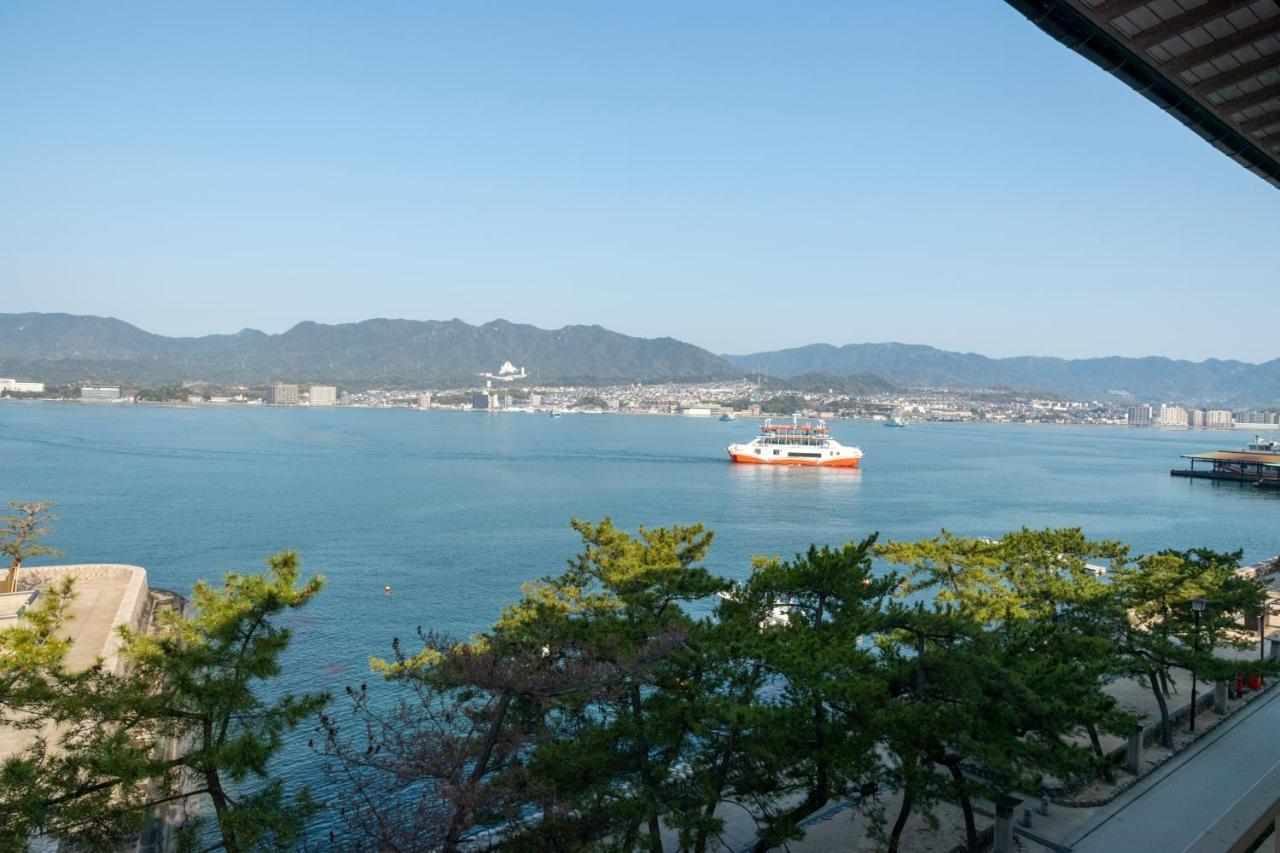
1197 607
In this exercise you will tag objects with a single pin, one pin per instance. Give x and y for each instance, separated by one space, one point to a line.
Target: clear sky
744 176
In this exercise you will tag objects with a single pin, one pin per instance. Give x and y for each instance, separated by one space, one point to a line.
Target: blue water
456 510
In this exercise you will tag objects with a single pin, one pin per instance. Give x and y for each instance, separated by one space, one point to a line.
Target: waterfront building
281 394
100 392
1172 415
21 387
1139 416
1196 418
424 400
482 401
535 400
323 395
1218 418
1254 418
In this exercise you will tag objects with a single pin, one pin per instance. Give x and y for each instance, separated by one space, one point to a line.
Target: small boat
896 421
1263 445
555 413
797 442
728 416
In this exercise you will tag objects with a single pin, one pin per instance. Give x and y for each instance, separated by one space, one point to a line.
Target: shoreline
544 411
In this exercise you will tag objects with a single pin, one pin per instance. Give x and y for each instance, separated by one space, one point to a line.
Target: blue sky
744 176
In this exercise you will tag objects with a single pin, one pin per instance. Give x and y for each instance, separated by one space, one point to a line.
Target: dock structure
1261 469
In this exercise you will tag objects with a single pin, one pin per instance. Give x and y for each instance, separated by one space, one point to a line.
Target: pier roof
1271 459
1214 66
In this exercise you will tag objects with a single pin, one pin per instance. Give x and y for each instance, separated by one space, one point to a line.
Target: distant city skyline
740 177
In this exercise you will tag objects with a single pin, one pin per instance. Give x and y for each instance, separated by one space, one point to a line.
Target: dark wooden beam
1239 74
1262 122
1115 8
1252 99
1223 46
1211 11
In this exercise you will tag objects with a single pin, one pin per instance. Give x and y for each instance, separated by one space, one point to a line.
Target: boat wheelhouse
795 442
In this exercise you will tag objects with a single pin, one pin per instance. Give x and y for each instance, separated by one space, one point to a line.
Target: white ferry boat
796 442
1263 445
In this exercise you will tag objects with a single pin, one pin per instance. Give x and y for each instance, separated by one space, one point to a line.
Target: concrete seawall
127 586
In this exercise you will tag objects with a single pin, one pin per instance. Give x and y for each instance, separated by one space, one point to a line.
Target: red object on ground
1255 682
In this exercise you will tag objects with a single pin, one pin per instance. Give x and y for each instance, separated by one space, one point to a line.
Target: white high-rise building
1218 418
323 395
21 387
100 392
1172 415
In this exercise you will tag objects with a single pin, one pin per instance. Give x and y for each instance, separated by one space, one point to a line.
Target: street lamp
1197 607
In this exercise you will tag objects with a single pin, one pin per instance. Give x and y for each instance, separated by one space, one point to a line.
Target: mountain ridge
1145 379
66 347
59 347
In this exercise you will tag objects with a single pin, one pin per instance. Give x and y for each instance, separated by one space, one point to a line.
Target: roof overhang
1212 64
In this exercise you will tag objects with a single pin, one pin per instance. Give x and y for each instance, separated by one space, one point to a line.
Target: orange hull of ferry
833 463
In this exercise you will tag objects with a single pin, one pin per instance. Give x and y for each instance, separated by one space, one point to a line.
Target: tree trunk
1166 731
11 580
904 811
1097 750
457 821
966 805
646 771
213 782
220 807
1164 681
820 793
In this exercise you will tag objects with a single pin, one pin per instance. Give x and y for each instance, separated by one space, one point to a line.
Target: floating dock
1261 469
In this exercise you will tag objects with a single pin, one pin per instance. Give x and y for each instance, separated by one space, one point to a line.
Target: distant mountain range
57 348
1113 378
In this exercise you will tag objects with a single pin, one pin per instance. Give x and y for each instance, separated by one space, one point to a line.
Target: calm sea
455 510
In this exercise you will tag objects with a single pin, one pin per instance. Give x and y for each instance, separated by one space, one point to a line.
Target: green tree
20 534
1158 633
198 682
808 623
186 721
1005 667
579 705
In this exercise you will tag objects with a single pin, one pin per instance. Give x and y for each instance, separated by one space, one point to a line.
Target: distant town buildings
1171 416
1250 418
21 387
424 400
323 395
1220 418
281 395
107 393
1139 416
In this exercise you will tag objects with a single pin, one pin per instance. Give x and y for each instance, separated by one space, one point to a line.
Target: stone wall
133 604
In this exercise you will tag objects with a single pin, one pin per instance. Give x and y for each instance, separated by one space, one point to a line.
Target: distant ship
1263 445
728 416
555 413
895 420
797 442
